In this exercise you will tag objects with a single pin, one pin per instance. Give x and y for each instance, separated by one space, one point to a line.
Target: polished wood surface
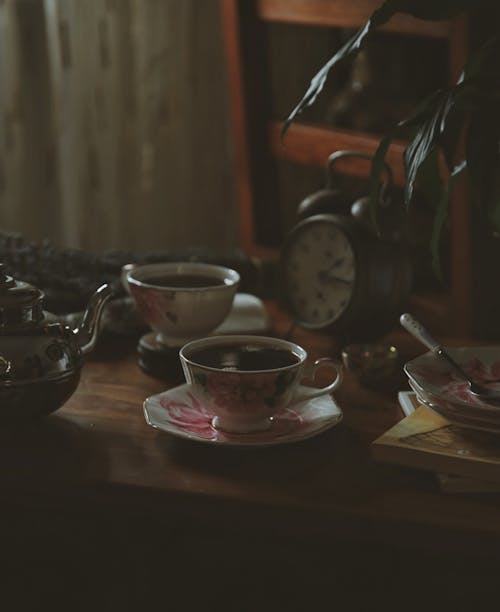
99 511
98 449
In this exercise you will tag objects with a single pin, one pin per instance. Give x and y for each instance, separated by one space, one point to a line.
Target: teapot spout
87 333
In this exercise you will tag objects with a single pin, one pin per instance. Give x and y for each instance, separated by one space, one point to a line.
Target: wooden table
94 494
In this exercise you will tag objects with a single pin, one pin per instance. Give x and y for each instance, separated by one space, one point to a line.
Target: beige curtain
114 124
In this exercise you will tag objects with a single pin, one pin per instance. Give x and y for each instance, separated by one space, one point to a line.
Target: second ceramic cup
182 301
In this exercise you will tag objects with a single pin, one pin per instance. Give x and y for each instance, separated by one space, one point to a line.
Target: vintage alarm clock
339 273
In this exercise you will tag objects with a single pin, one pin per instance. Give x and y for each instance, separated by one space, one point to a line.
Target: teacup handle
307 393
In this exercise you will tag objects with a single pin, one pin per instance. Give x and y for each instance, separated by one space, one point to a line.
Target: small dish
178 412
248 315
457 415
436 376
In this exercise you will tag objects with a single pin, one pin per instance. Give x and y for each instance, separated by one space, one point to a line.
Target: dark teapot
40 361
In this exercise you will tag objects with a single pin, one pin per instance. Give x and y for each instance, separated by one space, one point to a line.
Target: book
448 483
424 439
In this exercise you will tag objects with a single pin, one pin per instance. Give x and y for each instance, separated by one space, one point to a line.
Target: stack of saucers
440 388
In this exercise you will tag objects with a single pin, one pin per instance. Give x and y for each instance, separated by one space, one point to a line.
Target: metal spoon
420 333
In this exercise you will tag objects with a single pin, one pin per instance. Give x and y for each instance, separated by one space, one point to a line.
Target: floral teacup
246 380
183 300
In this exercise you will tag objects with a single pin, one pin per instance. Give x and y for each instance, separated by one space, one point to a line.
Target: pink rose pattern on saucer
191 416
449 385
179 412
437 385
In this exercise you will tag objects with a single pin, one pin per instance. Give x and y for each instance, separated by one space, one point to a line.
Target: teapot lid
19 301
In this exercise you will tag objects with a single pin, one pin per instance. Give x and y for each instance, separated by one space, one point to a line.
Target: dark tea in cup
245 358
184 281
246 380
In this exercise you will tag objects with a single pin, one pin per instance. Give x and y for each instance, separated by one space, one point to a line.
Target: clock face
319 271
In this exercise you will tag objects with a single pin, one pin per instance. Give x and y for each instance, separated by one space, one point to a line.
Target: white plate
248 315
457 415
436 376
179 413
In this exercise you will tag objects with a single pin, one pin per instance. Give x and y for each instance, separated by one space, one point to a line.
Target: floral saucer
178 412
435 376
471 417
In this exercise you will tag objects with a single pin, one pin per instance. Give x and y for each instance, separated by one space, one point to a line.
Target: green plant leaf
424 141
423 109
376 170
430 181
440 218
379 17
317 84
450 131
422 9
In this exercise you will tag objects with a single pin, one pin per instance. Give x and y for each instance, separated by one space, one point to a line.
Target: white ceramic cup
179 314
244 401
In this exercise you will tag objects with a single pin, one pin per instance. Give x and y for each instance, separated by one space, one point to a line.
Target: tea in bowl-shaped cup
183 300
246 380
